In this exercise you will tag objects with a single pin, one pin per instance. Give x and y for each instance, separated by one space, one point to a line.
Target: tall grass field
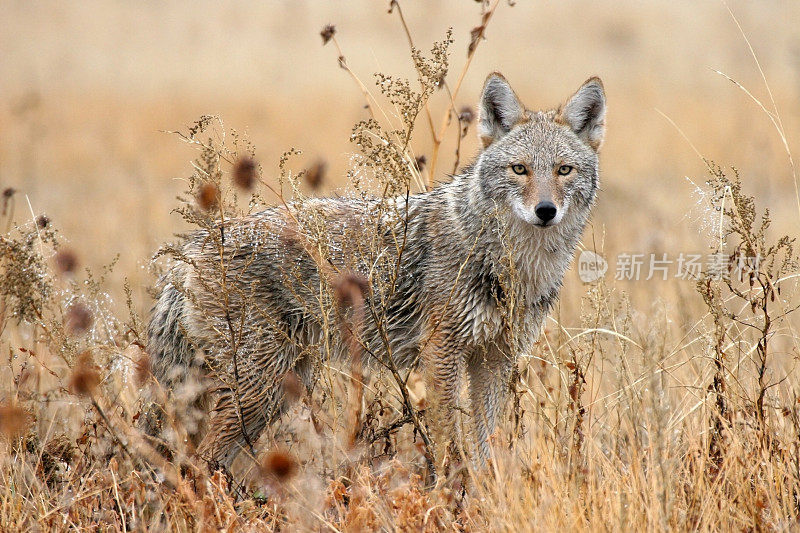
663 392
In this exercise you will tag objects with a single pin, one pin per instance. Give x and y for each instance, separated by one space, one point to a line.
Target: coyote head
541 165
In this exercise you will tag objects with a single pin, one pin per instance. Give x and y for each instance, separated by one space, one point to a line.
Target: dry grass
649 405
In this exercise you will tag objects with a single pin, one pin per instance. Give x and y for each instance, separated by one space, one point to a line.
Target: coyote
479 262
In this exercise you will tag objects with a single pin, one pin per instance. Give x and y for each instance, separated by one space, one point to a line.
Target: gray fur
478 276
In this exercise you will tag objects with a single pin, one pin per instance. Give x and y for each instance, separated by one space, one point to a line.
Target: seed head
421 161
42 221
441 80
244 173
66 261
85 377
465 118
315 174
143 369
13 420
279 465
78 318
350 290
574 392
292 387
466 115
475 35
7 194
208 196
327 33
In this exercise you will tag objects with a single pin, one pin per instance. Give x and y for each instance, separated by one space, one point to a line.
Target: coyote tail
173 361
170 352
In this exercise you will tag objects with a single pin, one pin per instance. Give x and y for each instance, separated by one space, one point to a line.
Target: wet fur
477 279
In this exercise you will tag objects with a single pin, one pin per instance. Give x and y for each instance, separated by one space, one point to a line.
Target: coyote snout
476 275
543 202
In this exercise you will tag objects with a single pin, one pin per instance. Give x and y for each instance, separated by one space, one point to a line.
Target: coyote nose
546 211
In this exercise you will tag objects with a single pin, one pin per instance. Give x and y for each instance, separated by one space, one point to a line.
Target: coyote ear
500 109
585 113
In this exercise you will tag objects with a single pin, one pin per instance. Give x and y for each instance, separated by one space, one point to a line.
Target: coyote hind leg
240 416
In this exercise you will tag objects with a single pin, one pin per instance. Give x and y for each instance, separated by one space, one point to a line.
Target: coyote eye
563 170
519 169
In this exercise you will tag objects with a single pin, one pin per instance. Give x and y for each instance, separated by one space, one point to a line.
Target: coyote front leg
442 358
489 373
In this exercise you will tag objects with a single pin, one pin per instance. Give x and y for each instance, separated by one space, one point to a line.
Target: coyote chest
515 305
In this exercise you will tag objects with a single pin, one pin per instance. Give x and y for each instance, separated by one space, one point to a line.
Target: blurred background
86 89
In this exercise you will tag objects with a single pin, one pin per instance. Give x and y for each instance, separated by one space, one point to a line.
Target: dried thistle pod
84 378
14 420
293 388
143 369
350 290
327 33
466 115
244 173
66 261
316 173
279 465
8 193
78 318
208 196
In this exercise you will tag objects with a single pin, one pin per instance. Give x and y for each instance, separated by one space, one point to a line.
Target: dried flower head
350 290
143 369
42 221
466 115
85 377
441 81
8 193
78 318
327 33
279 464
476 34
244 173
208 196
315 174
66 261
292 387
465 118
14 421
